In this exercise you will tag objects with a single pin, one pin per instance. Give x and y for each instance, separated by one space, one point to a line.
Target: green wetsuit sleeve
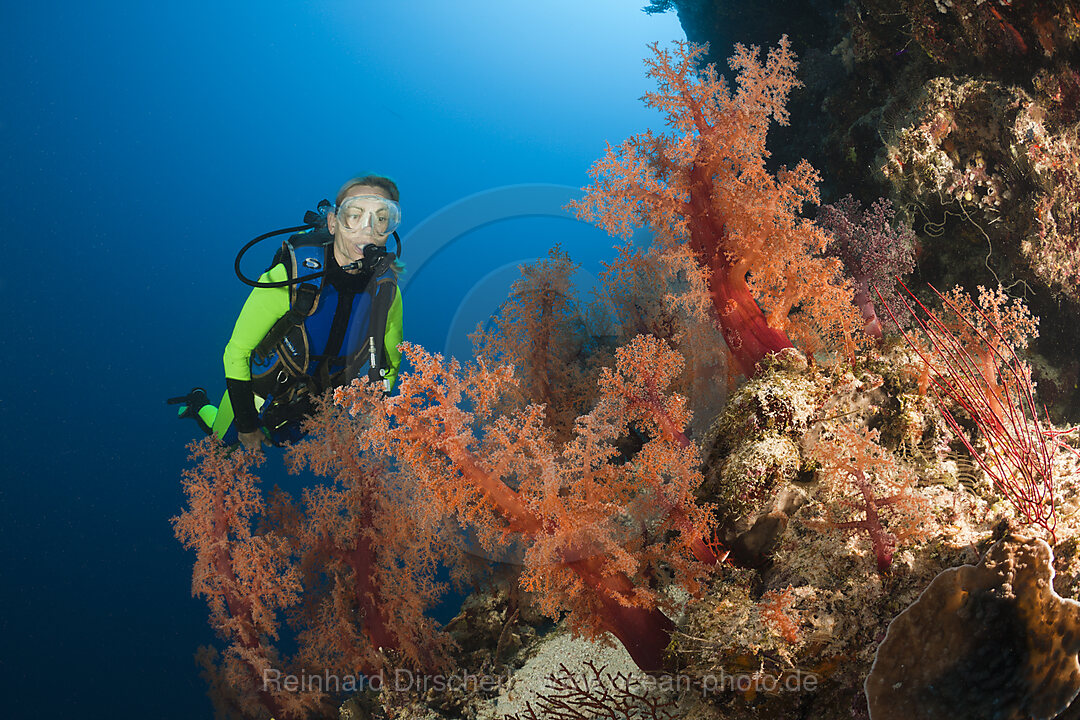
391 339
261 310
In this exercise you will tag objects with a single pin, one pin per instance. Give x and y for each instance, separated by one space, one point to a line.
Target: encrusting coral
821 598
987 640
986 154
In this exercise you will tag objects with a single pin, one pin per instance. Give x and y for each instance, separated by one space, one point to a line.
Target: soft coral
246 577
597 530
706 187
857 470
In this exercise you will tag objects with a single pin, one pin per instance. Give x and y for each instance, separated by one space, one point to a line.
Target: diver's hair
380 181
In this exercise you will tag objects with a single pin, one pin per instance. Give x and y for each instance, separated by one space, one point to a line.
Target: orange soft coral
777 613
355 567
596 530
705 186
541 331
867 490
246 577
374 552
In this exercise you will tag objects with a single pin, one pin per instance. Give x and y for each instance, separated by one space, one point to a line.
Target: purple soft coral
873 249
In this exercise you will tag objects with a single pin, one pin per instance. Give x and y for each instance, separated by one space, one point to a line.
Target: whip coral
974 366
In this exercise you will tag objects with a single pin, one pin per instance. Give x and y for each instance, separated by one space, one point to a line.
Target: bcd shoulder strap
304 297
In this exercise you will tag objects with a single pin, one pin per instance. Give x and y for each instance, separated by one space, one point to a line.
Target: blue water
142 144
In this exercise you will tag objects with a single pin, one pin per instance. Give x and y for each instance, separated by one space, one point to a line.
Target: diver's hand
253 440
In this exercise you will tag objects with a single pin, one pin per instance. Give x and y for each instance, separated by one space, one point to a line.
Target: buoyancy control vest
348 328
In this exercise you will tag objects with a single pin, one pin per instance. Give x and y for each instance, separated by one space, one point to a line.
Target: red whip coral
974 366
597 531
704 189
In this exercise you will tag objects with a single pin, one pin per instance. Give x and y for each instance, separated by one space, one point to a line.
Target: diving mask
369 211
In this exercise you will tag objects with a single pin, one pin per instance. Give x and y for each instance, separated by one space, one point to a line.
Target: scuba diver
327 311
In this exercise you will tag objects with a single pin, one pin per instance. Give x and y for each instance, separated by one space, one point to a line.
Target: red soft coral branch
644 632
338 531
539 330
744 326
363 552
357 553
852 460
882 541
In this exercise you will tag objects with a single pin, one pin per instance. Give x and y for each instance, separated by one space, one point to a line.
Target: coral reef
964 113
975 157
830 581
756 565
752 449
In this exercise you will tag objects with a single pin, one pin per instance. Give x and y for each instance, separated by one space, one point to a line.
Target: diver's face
349 244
